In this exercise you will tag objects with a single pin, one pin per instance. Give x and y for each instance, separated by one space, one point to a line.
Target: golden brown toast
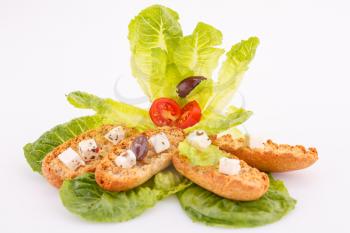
271 157
56 172
115 178
249 184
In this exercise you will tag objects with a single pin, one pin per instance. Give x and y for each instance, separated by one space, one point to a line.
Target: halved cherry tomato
191 114
164 111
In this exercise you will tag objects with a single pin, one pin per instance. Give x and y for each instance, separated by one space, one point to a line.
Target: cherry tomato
164 111
191 114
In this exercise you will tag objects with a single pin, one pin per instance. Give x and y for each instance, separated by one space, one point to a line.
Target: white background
297 86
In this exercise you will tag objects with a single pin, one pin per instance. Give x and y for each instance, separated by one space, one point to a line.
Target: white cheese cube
127 159
88 149
160 142
115 135
229 166
199 139
71 159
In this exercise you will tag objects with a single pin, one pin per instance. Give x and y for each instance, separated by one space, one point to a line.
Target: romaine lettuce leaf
205 207
197 55
153 35
200 93
214 123
83 197
208 157
231 74
149 68
36 151
112 110
155 27
168 88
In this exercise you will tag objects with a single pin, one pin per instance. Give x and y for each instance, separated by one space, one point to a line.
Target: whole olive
188 84
140 147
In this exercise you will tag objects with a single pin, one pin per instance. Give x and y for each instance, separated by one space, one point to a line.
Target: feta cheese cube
88 149
229 166
71 159
160 142
115 135
199 139
127 159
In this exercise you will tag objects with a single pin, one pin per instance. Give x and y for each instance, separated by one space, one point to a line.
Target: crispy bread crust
249 185
271 157
113 178
56 172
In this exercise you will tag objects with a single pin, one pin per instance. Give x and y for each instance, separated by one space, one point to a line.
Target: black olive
188 84
140 147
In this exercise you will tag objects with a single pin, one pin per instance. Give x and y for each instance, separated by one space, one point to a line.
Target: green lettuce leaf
200 93
205 207
231 73
112 110
83 197
155 27
153 35
168 88
168 182
208 157
36 151
215 123
150 68
197 55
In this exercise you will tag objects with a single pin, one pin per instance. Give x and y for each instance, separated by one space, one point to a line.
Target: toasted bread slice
249 184
56 172
114 178
271 157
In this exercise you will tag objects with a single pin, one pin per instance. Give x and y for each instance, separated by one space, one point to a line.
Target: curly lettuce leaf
115 111
36 151
215 123
205 207
231 73
208 157
83 197
153 35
